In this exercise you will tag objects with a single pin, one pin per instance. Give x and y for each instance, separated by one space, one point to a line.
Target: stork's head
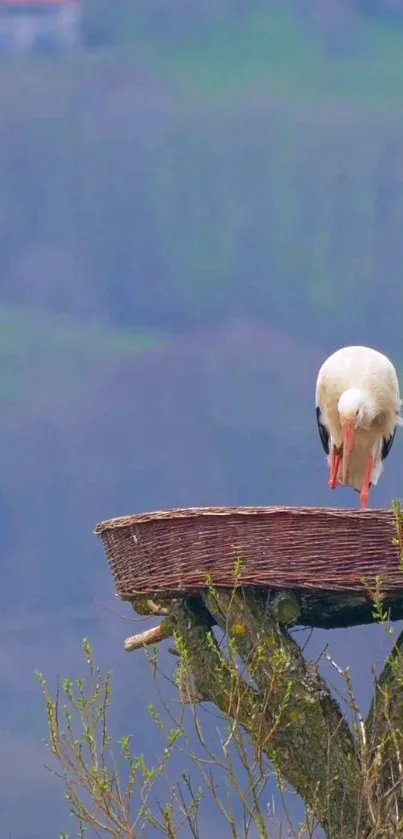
356 407
356 410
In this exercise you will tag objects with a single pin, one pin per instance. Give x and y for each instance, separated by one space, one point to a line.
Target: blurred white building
39 25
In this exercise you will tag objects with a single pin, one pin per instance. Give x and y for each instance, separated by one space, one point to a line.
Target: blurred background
198 202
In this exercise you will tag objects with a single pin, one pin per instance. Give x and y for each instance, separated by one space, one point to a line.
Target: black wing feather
323 432
387 444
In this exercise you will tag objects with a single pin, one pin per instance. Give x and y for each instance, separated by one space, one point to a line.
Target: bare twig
149 636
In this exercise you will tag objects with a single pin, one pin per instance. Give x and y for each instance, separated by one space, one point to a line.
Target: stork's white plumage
357 411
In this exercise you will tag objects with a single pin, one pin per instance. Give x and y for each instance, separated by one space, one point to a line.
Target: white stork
357 411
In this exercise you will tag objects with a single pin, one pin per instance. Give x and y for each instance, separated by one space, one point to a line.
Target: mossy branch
213 676
288 713
311 742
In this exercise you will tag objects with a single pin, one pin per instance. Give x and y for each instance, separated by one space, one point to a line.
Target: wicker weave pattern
280 547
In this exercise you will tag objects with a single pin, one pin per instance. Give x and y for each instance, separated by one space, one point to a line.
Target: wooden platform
329 557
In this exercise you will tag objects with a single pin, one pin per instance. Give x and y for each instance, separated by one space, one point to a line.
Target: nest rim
170 513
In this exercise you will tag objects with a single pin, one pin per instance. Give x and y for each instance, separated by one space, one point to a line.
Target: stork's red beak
348 440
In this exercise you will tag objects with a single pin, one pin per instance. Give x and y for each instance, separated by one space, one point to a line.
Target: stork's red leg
364 496
334 468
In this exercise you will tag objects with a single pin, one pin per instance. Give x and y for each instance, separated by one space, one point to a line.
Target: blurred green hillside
273 51
225 50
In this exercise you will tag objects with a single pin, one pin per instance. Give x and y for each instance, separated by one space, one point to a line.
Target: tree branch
291 716
312 744
149 636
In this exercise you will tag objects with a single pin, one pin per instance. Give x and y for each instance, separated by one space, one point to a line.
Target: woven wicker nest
301 548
